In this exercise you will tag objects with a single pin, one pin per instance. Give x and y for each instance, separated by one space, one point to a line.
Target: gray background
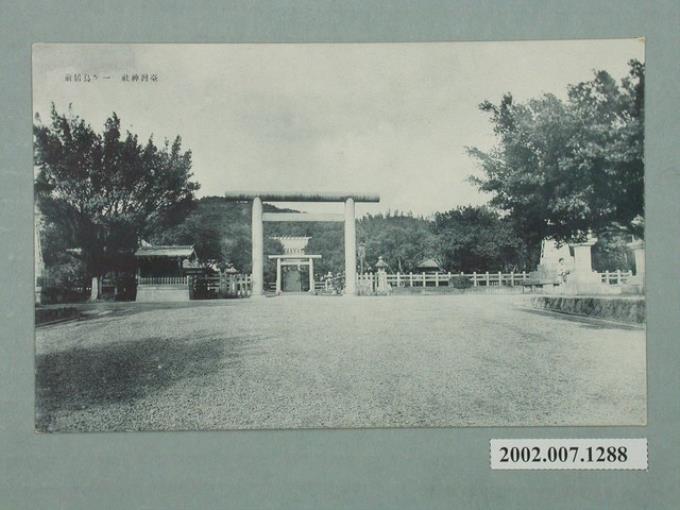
398 468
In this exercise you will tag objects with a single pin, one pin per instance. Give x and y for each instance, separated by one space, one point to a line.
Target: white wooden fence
222 284
163 280
486 279
241 284
617 277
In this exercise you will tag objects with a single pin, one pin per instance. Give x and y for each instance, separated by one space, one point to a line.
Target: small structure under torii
292 259
258 217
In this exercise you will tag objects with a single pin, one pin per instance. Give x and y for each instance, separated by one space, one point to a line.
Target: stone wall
49 315
161 293
618 308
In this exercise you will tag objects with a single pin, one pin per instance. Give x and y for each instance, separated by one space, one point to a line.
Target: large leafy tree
105 191
563 168
478 239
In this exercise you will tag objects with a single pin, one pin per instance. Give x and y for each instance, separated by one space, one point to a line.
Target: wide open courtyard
303 361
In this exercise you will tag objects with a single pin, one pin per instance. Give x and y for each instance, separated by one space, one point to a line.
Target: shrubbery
460 282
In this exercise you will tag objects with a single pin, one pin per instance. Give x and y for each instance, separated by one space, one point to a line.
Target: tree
105 191
478 239
214 227
220 231
563 168
402 240
611 252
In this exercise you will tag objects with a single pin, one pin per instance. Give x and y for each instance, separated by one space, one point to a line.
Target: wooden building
163 272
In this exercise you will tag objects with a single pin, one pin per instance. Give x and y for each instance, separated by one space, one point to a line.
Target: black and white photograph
296 236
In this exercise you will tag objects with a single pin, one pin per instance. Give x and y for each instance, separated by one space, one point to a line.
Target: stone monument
552 253
637 282
547 274
583 280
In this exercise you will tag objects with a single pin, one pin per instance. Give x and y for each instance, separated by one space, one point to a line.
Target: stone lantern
361 251
230 272
381 270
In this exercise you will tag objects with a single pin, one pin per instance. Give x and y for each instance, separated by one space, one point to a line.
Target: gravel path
302 361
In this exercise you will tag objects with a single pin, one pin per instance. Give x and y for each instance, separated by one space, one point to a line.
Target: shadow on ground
118 309
118 373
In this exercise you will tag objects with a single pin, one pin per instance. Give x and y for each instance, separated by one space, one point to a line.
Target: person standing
562 271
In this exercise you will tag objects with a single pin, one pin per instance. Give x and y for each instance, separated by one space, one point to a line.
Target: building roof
293 244
165 251
429 264
381 264
294 256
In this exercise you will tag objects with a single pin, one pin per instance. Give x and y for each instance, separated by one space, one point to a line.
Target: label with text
569 453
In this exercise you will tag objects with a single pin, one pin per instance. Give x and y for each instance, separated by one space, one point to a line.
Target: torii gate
258 218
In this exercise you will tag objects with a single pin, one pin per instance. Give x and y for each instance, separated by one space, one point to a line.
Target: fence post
524 278
512 278
500 279
398 279
618 277
474 278
436 279
606 276
487 279
424 280
410 277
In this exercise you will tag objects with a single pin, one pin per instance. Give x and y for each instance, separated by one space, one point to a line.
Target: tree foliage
478 239
105 191
402 240
220 231
562 168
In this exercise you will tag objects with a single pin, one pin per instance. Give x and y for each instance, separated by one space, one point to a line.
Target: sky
394 119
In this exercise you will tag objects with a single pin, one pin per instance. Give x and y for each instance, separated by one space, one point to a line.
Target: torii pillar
350 249
257 249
